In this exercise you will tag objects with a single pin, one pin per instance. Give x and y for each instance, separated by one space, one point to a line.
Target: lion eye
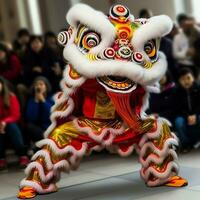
148 47
86 38
91 40
150 50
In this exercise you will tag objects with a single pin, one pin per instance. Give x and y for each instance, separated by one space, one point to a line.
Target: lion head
116 49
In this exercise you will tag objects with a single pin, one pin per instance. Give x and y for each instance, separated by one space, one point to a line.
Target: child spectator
34 61
38 109
186 101
161 104
9 115
10 66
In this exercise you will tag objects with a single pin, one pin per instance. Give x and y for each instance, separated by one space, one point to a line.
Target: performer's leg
158 157
181 130
61 151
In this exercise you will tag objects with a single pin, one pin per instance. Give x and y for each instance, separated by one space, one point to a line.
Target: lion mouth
117 84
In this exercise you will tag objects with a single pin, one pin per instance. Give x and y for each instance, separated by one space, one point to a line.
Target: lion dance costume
114 63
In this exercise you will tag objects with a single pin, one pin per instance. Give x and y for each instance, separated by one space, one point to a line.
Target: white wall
56 10
54 14
9 19
157 6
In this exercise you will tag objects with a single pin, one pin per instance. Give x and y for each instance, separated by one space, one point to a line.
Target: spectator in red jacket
10 66
9 115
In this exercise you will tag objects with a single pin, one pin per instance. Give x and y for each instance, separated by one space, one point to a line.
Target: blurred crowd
179 97
31 69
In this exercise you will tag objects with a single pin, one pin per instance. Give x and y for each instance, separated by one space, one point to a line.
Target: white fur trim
145 105
97 148
66 90
55 114
159 181
75 161
97 21
73 82
158 156
161 175
36 165
157 159
155 88
63 164
52 187
155 27
131 70
156 133
64 113
67 149
126 153
46 156
99 138
163 151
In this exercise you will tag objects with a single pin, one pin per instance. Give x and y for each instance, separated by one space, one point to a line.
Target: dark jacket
166 48
187 102
162 103
53 57
30 61
39 113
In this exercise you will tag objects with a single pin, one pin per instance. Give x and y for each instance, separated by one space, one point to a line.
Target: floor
104 177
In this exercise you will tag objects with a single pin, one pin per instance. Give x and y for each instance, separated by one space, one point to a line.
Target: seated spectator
21 42
38 109
161 104
34 61
54 60
186 101
183 44
9 116
10 66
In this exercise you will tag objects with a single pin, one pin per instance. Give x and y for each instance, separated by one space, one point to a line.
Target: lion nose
124 52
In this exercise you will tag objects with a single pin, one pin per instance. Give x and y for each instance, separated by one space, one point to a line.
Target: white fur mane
154 27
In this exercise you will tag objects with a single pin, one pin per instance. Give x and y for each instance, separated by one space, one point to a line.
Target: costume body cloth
100 127
105 89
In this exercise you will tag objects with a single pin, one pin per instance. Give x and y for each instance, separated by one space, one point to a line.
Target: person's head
41 85
185 22
36 43
23 36
50 40
4 92
145 13
174 31
186 78
3 52
167 78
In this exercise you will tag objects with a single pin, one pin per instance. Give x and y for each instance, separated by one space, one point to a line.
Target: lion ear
156 27
64 36
96 21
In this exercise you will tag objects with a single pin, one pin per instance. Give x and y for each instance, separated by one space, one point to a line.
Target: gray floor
109 177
